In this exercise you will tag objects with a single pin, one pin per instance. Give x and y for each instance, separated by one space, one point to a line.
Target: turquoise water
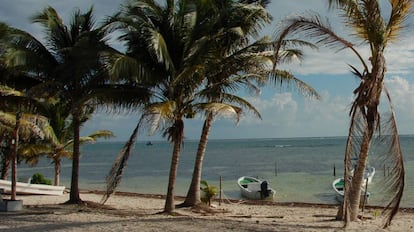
299 169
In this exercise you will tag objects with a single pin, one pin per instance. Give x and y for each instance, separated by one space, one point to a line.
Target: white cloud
402 96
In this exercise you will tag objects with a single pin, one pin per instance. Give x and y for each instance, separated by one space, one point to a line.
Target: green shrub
38 178
207 192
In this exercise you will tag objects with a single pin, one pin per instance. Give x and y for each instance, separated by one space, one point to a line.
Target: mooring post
221 179
275 168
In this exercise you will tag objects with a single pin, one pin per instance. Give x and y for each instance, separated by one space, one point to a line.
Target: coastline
127 211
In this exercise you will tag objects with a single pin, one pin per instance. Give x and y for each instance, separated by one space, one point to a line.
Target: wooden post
334 170
275 168
384 170
365 196
221 179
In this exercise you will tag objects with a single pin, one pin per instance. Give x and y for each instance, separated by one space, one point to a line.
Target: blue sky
284 112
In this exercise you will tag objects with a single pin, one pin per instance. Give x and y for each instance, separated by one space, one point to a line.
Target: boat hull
251 188
35 189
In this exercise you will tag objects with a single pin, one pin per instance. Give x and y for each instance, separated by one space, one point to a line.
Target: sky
285 113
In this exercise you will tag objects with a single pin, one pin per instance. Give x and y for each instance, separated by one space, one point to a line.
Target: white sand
139 213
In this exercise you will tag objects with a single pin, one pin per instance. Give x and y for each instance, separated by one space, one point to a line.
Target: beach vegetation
208 192
368 25
39 178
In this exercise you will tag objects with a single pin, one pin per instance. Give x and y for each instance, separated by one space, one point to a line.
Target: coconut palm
249 67
62 146
22 127
228 16
237 65
29 127
370 27
71 66
169 43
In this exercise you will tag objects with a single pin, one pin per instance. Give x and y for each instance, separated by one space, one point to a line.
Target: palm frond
113 179
400 11
285 78
221 109
391 155
316 29
106 134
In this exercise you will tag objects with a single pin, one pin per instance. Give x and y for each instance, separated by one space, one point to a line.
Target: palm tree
23 127
62 146
371 27
71 66
223 74
249 67
168 43
240 65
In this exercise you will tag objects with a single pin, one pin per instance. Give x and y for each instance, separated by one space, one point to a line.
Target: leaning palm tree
71 67
371 27
236 65
250 68
170 42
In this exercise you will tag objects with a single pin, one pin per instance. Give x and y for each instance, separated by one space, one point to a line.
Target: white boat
35 189
255 189
338 186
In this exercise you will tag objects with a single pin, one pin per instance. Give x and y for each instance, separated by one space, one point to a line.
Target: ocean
299 169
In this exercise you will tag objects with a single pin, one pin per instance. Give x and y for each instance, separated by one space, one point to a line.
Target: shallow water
299 169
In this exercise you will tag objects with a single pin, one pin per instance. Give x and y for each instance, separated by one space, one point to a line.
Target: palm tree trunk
74 197
5 164
14 156
193 194
169 201
369 98
57 171
357 180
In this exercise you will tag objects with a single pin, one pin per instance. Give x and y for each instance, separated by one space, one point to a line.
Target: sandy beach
137 212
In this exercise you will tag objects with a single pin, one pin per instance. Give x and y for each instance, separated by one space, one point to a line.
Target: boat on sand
35 189
255 189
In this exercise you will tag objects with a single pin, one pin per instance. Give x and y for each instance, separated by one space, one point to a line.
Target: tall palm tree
168 43
371 27
71 66
235 65
249 67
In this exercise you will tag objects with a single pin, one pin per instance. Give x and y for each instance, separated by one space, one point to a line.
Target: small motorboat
255 189
338 186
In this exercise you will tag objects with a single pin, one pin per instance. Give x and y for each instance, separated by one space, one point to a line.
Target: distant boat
255 189
149 143
35 189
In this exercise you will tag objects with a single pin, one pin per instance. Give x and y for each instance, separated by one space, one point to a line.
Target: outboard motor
264 190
